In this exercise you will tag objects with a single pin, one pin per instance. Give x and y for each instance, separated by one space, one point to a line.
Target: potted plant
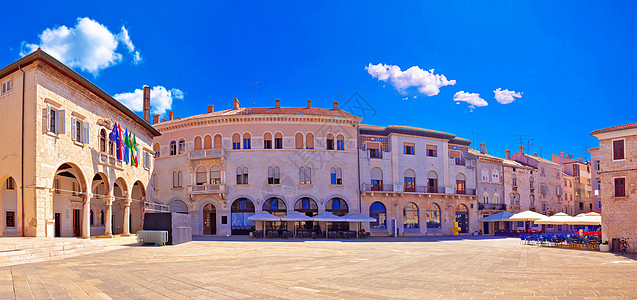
604 246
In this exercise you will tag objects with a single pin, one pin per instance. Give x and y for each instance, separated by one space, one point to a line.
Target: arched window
198 143
514 180
305 175
485 197
111 147
278 141
532 200
267 141
200 176
309 141
298 140
433 217
218 144
531 183
273 175
102 141
156 149
485 175
410 181
177 179
378 211
247 141
236 141
336 176
215 175
173 148
495 176
182 146
340 142
410 217
207 142
275 206
460 184
241 209
462 217
432 182
307 206
377 179
329 145
337 206
242 175
496 198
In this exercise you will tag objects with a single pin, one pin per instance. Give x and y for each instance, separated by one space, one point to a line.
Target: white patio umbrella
586 219
294 217
327 217
556 219
265 217
358 218
527 216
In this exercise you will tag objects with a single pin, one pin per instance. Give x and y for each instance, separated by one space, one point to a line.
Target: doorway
77 221
209 219
58 225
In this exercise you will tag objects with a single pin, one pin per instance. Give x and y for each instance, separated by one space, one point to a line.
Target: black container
177 225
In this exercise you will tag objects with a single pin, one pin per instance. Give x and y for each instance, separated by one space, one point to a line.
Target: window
207 142
496 198
177 179
298 140
544 188
485 175
7 86
247 141
514 180
267 141
495 176
409 148
337 206
91 218
56 186
242 175
215 175
10 219
218 141
103 140
377 179
581 205
620 187
309 141
433 216
155 149
378 211
618 150
146 159
102 217
374 151
55 120
200 176
597 165
532 201
305 175
410 181
330 142
432 182
531 183
485 197
173 148
340 142
336 176
460 184
236 141
410 216
542 171
278 141
198 143
111 148
10 184
432 150
274 176
79 130
559 191
182 146
455 155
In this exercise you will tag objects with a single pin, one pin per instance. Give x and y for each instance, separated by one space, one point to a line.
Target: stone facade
490 192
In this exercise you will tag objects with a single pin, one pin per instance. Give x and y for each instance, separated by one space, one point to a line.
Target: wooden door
77 221
58 225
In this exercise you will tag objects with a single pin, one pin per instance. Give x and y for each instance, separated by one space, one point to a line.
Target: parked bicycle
624 245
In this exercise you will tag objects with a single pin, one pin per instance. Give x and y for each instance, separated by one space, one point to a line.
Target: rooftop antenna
473 141
255 92
528 142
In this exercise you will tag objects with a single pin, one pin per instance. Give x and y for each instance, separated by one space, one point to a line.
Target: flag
136 151
132 149
126 146
120 144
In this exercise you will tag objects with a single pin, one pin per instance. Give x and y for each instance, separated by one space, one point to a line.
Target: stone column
86 218
127 216
108 216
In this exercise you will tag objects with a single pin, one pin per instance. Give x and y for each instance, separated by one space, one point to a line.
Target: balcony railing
378 187
210 153
491 206
465 192
424 189
207 189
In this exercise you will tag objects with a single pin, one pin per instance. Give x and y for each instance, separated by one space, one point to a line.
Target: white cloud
161 99
427 82
89 46
506 96
473 99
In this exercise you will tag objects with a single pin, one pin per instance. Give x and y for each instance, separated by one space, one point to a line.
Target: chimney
163 120
534 153
521 149
235 103
277 103
335 105
147 104
483 149
580 159
561 153
309 103
171 115
155 119
211 108
508 154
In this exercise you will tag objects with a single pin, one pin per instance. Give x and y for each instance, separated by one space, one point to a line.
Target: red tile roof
291 111
615 128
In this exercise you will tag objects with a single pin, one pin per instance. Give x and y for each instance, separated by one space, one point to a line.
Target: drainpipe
358 163
22 150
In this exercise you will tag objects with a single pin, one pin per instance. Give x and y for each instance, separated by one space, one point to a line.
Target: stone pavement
377 268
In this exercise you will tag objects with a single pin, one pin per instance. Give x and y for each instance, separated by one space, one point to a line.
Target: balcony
203 154
378 187
424 189
491 206
206 189
471 192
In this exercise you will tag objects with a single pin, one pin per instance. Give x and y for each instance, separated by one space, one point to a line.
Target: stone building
618 173
545 182
58 168
416 181
596 179
223 166
581 172
490 192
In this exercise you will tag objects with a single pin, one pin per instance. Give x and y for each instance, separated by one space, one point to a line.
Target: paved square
376 268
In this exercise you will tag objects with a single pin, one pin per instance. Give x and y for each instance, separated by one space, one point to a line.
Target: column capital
87 197
127 201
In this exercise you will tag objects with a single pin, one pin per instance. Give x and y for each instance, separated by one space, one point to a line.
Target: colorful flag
120 144
136 151
126 146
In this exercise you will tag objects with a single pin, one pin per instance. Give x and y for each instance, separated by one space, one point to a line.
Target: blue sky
573 62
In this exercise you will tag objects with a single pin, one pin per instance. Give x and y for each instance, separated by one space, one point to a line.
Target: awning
556 219
327 217
527 216
358 217
501 216
296 217
264 216
585 220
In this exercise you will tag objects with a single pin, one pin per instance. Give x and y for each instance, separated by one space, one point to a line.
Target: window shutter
86 132
46 119
308 175
73 128
60 123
